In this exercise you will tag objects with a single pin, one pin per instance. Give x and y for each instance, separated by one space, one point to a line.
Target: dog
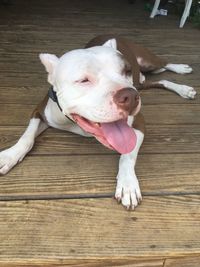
95 92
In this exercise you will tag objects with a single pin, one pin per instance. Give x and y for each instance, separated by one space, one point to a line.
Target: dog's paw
187 92
183 69
179 68
128 191
7 161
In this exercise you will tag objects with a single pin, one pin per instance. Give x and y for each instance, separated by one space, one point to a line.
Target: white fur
128 189
158 71
92 99
50 62
55 118
183 90
142 78
179 68
140 61
11 156
130 120
111 43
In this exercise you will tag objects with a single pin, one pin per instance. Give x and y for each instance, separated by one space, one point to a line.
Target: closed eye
84 80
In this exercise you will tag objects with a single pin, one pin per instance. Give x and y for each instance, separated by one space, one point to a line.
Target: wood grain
79 176
86 263
23 94
77 229
46 37
183 262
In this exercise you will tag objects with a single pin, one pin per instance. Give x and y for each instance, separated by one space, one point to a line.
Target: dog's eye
84 80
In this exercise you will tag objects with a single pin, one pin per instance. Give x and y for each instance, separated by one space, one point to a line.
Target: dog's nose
127 99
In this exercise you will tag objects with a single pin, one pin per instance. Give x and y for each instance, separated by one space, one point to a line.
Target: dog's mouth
117 135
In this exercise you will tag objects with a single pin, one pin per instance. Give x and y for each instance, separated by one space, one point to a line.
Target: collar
52 94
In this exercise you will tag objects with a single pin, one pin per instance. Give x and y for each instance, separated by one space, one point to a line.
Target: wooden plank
14 79
23 94
99 229
15 114
86 263
154 114
171 139
183 262
46 37
159 139
80 176
173 114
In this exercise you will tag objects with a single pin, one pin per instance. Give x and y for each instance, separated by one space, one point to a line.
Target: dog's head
94 88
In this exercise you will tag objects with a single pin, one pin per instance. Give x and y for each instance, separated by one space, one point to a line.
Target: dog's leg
149 62
179 68
11 156
183 90
158 71
128 189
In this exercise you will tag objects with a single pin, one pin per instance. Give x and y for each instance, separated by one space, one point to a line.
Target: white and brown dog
95 93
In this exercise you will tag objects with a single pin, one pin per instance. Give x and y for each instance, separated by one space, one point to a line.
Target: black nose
127 99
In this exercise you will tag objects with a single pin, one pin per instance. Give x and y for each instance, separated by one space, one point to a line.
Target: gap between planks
86 196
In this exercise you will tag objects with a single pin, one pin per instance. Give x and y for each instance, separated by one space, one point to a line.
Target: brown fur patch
131 52
139 123
39 110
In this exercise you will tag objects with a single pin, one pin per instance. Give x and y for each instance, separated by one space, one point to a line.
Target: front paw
187 92
7 160
128 191
182 68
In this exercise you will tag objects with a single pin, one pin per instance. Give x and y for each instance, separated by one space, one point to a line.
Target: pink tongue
120 136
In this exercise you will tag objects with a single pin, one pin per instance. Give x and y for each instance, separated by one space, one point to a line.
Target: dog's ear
111 43
50 62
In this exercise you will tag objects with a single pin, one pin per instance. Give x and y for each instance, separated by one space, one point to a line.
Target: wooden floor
57 206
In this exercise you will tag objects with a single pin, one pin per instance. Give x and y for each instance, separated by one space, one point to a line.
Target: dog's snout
127 99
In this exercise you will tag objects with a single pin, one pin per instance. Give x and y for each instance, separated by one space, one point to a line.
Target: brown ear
50 62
